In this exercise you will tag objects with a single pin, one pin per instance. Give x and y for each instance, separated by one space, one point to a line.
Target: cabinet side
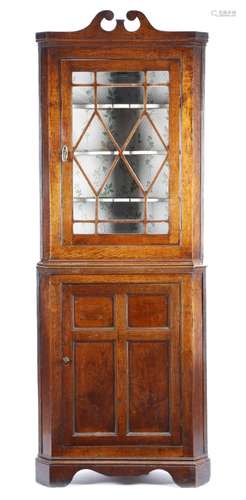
44 153
199 391
197 141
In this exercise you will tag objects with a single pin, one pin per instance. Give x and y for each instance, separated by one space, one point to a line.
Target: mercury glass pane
160 118
145 137
84 209
121 209
120 122
120 77
81 188
83 228
82 96
160 187
158 228
95 139
80 120
120 95
120 184
96 167
83 77
111 228
157 209
158 95
157 77
145 166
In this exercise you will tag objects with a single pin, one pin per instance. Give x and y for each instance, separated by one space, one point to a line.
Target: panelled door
121 364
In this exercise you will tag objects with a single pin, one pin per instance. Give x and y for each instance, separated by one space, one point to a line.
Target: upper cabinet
121 119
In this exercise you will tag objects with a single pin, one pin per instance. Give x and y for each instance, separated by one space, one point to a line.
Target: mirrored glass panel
147 137
83 77
158 96
83 228
120 122
158 228
157 209
94 139
83 97
120 77
122 208
118 96
120 135
121 183
111 228
157 77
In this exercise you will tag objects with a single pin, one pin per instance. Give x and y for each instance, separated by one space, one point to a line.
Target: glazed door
121 364
120 152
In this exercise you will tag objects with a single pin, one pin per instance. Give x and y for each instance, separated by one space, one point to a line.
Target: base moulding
60 472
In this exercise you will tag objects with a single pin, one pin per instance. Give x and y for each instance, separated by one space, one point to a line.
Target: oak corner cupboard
121 338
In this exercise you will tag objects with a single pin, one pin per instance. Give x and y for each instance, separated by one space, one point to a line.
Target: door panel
149 386
94 387
121 378
147 310
93 311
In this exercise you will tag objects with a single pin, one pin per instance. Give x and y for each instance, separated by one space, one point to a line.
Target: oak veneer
121 337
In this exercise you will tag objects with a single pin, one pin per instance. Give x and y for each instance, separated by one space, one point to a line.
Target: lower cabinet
121 365
121 376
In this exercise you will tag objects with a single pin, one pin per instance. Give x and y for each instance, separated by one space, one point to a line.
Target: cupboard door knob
66 360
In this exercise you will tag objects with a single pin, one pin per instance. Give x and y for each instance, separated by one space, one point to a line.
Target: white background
225 192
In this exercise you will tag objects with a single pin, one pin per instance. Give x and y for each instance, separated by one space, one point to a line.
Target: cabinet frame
125 267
